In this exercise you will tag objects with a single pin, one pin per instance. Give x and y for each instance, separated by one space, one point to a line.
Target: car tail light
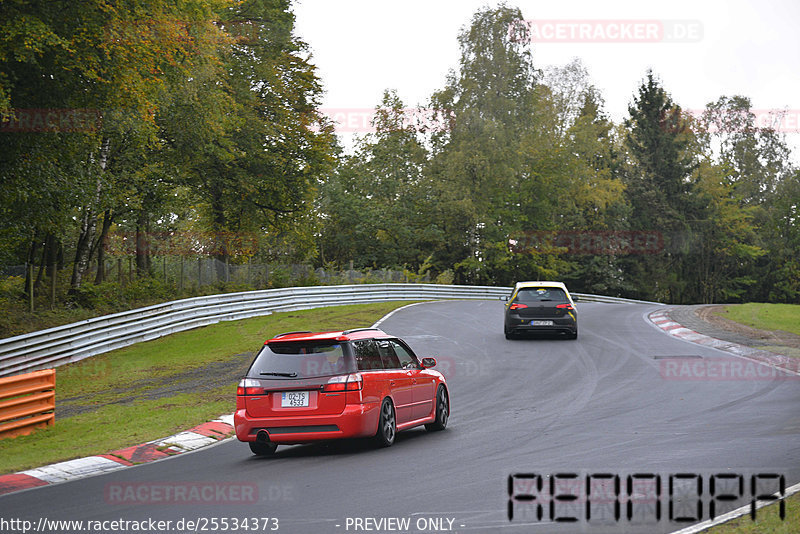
354 382
351 382
565 306
337 383
250 387
517 306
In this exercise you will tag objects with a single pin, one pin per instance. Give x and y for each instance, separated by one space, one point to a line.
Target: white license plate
294 399
541 323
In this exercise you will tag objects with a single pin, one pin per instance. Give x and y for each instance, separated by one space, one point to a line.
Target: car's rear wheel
509 334
387 425
442 411
573 335
263 448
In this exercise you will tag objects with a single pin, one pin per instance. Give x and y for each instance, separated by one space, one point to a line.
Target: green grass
107 380
784 317
767 520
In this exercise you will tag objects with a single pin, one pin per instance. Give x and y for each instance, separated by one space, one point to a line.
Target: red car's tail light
517 306
351 382
250 387
336 386
354 382
565 306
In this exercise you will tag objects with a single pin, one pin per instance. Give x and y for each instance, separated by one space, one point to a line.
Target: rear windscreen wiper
287 375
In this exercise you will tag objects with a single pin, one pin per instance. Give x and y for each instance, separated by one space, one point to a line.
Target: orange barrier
27 402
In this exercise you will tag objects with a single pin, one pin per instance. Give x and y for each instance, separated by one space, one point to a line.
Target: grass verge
767 520
784 317
118 387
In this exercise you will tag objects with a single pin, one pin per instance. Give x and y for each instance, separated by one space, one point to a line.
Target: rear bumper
357 420
522 325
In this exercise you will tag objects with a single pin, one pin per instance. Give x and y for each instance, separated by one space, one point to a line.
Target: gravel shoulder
197 380
704 319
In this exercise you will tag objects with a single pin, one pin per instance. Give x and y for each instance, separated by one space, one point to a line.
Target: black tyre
573 335
263 448
387 425
508 333
442 411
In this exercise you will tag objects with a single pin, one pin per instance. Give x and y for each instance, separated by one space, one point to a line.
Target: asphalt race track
600 405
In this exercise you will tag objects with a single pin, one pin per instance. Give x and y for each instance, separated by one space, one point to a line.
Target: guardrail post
27 402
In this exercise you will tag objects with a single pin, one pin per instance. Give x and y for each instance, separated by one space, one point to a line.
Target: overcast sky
736 47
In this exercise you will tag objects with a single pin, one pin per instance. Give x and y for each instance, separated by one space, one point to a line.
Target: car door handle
391 382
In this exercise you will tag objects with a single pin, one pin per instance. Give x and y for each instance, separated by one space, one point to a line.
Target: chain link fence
187 273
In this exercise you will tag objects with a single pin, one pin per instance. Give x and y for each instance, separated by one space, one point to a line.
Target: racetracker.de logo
724 369
51 120
173 493
582 242
362 120
779 120
605 31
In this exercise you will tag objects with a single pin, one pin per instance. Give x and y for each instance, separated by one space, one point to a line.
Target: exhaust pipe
262 436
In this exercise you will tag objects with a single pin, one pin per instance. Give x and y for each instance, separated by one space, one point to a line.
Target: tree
375 206
658 182
258 169
477 164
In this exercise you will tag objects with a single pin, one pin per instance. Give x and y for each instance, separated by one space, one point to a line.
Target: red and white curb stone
193 439
662 320
787 364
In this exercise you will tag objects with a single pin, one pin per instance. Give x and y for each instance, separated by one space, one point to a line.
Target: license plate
294 399
541 323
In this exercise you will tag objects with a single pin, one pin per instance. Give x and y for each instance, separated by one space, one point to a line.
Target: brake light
250 387
336 386
565 306
354 382
351 382
517 306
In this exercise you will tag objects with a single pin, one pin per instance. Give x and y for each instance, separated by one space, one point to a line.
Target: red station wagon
305 387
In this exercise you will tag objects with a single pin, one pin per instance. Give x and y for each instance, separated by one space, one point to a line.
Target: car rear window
368 356
299 360
541 294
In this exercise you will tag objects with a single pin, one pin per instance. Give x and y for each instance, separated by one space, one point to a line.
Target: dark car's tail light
352 382
517 306
250 387
565 306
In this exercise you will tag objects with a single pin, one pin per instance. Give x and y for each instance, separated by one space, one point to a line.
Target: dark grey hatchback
540 307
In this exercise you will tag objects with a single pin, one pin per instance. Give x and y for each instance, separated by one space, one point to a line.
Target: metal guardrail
27 402
76 341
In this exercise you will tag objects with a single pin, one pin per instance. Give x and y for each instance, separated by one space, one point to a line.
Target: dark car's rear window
541 294
299 360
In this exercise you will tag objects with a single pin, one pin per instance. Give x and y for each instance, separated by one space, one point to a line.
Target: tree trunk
42 264
142 245
100 245
220 247
83 249
33 251
52 246
83 253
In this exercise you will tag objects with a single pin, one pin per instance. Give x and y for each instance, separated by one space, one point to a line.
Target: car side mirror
427 363
504 297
